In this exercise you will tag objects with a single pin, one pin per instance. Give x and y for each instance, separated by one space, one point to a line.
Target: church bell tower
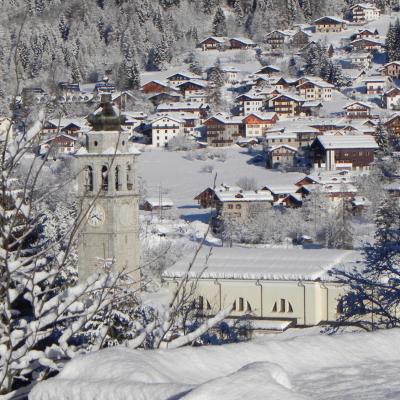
109 197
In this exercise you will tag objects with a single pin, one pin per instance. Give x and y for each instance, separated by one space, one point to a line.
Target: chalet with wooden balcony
239 43
268 70
191 87
315 89
392 69
223 131
391 99
249 103
364 12
393 124
156 87
212 43
257 124
358 110
281 155
332 152
329 24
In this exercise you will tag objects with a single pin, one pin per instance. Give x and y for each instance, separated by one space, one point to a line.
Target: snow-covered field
184 180
295 365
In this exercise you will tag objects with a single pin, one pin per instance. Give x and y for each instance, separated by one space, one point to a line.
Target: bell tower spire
109 197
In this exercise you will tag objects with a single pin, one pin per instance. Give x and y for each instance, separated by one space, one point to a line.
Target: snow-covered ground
184 180
299 364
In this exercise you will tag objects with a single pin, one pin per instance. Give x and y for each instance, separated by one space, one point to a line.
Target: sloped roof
347 142
263 263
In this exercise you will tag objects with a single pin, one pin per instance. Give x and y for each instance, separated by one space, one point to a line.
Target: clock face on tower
96 216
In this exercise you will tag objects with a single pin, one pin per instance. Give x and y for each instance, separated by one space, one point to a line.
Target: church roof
264 263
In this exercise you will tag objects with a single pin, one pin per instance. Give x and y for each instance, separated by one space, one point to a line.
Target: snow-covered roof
244 40
348 142
196 82
332 18
361 103
215 38
392 62
361 201
280 188
286 146
368 6
281 135
266 263
180 105
243 195
155 202
263 116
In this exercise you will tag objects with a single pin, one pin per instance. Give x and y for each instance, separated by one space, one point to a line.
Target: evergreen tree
307 9
219 23
194 64
215 83
63 27
239 14
373 298
209 6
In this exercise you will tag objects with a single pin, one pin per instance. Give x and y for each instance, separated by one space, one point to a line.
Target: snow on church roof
264 263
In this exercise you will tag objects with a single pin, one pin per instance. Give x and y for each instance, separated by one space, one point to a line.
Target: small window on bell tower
104 178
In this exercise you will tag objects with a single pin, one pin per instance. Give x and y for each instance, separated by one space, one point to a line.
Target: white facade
164 128
268 284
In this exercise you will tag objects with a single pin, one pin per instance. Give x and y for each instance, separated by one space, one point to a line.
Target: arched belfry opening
89 182
104 178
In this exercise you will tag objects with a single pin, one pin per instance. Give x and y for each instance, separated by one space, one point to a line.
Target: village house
179 77
366 33
279 191
305 135
238 43
281 155
391 99
156 87
230 74
375 85
370 45
206 198
200 110
275 138
212 43
223 131
392 69
273 288
361 60
358 109
364 12
344 152
164 97
329 24
315 89
257 124
61 144
393 124
157 204
336 193
289 105
249 103
277 40
235 206
191 87
164 128
300 39
268 70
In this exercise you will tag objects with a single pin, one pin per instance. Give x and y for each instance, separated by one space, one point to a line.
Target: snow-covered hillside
292 366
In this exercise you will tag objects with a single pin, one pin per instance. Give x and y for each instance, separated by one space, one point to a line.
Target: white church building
275 287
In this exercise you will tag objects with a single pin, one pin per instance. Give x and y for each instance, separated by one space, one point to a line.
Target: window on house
238 206
284 306
230 206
